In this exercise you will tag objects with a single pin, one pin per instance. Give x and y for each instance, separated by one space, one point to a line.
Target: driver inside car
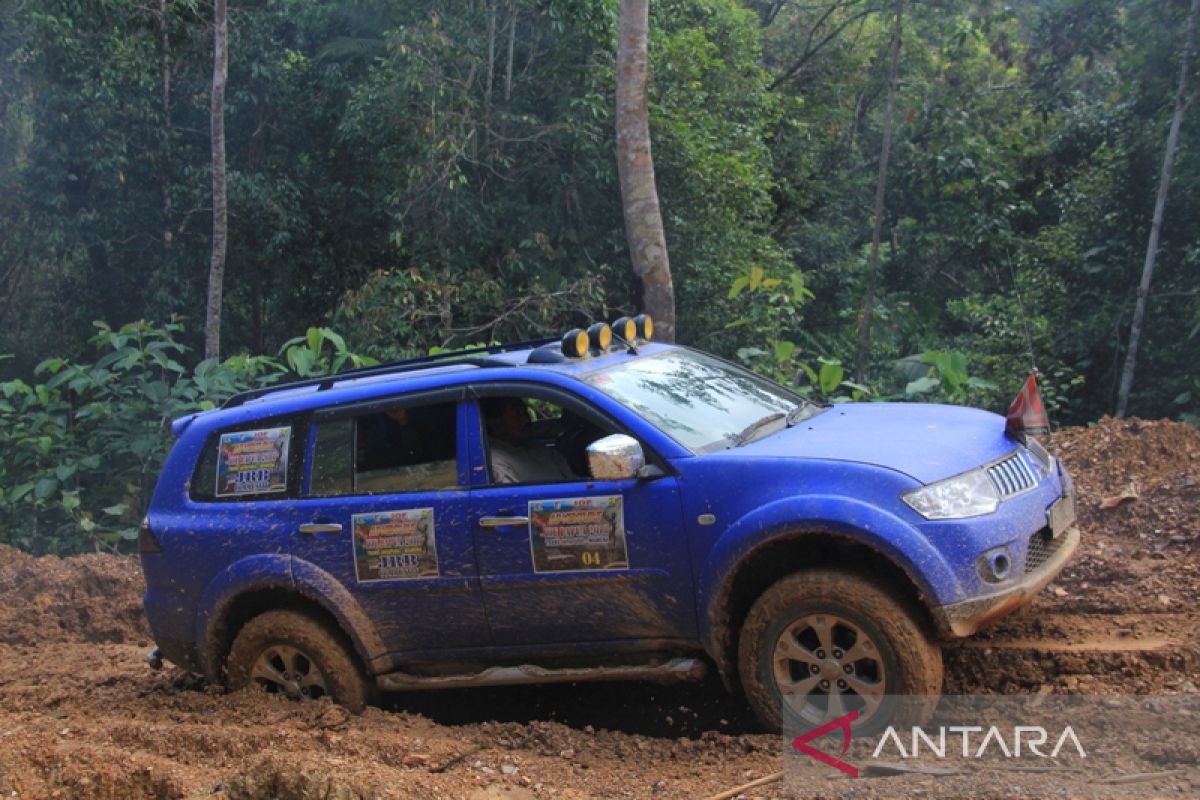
515 456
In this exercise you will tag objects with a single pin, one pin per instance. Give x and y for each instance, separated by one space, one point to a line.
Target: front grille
1042 547
1012 476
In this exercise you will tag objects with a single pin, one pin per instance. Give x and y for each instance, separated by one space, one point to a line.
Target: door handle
321 527
500 522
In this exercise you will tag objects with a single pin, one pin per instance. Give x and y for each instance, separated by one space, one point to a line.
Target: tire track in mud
1082 632
1077 652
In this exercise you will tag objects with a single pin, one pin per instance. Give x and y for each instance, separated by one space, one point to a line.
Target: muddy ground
82 717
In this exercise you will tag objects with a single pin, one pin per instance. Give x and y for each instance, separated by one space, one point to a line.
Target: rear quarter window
243 463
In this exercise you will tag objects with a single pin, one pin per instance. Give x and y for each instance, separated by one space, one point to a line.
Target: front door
563 558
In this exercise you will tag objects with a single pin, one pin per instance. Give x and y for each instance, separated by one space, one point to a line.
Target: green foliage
306 355
423 175
771 309
945 377
710 114
403 313
84 443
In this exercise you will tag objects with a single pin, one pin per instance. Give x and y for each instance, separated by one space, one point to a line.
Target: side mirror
615 457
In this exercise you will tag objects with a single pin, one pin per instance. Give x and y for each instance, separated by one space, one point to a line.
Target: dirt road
82 716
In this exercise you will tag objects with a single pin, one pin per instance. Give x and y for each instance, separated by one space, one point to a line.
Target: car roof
531 358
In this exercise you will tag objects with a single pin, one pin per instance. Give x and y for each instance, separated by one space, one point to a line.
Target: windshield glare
703 403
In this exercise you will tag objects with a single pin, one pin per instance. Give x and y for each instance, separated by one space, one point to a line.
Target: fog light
575 343
645 327
995 565
625 329
601 337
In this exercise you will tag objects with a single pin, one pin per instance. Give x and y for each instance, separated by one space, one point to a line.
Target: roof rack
394 367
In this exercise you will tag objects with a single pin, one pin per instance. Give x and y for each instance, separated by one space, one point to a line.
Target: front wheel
822 643
287 652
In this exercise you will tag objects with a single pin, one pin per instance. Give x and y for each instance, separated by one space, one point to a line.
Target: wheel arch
303 587
247 605
784 554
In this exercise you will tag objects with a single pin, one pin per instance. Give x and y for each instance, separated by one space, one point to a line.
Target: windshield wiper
800 413
755 427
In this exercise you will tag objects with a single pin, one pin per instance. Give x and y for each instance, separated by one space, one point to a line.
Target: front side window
396 449
535 441
702 402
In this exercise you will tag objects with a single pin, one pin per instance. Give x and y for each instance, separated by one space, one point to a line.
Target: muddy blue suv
597 508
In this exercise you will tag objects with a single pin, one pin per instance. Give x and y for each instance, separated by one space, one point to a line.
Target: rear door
385 512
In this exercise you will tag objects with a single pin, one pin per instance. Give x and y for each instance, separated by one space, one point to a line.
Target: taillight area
147 543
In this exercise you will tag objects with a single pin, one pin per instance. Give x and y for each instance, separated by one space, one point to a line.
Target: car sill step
677 669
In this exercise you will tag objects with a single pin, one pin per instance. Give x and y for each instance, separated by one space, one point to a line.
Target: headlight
968 495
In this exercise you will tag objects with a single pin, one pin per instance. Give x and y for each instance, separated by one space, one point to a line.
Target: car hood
928 442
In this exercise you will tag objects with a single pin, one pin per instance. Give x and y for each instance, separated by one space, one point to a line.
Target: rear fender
281 572
321 587
253 573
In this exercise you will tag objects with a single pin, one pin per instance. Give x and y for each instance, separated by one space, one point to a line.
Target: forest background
406 177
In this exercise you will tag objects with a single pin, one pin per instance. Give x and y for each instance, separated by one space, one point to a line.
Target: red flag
1027 414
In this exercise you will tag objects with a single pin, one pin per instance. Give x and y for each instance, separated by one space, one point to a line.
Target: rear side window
395 449
262 462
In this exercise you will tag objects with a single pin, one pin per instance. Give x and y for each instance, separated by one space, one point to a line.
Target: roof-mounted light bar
600 338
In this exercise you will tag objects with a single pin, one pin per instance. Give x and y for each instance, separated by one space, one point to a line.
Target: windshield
702 402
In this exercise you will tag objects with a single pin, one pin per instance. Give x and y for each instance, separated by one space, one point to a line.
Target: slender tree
1160 204
635 168
165 68
220 230
868 305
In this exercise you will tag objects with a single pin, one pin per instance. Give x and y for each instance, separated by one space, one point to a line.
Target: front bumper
968 616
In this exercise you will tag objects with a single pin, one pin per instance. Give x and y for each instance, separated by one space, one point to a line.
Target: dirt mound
1106 457
88 598
1138 484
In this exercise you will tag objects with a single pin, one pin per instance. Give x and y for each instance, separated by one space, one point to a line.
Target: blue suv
598 508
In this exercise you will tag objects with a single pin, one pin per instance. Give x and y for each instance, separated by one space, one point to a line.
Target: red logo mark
800 743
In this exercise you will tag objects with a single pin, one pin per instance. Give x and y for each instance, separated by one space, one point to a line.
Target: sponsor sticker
253 462
578 533
394 545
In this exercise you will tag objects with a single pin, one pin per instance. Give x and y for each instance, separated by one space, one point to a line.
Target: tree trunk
1160 204
216 271
635 167
165 68
487 85
868 306
512 45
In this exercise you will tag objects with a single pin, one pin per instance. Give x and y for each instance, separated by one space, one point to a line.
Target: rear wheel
287 652
823 643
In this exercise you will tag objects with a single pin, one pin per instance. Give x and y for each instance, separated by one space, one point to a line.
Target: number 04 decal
571 534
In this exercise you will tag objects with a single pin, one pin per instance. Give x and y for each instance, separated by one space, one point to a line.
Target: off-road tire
320 644
911 655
